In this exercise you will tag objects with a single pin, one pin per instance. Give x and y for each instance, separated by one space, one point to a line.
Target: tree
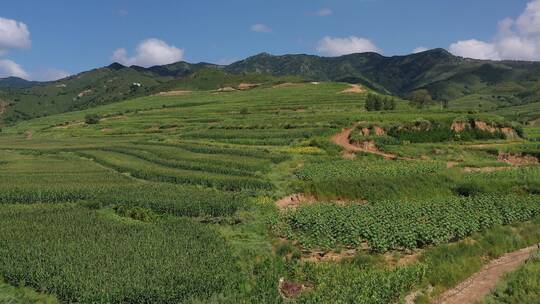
445 104
389 103
421 98
370 102
378 103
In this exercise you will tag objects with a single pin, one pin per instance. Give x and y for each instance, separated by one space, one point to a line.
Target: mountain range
467 83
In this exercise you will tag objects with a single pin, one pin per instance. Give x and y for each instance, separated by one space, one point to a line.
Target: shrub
91 119
469 189
136 213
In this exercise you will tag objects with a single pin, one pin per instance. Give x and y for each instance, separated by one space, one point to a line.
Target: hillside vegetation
281 191
455 82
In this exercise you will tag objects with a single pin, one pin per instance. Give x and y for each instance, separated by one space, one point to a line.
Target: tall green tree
370 102
421 98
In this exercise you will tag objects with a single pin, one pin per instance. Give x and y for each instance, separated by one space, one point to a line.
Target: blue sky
48 39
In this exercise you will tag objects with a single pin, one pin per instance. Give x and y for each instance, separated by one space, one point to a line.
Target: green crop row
397 225
242 163
162 198
220 149
344 283
149 171
337 169
84 256
186 165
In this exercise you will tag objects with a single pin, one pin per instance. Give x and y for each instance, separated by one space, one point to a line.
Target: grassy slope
466 83
268 131
114 83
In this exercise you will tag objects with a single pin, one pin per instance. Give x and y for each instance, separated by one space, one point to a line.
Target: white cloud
49 74
323 12
13 35
529 21
341 46
148 53
420 49
11 68
473 48
517 39
260 28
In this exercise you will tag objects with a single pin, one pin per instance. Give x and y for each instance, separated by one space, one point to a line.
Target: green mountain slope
88 89
16 82
445 76
466 84
396 74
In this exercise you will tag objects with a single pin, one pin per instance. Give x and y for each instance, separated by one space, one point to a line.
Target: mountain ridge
445 76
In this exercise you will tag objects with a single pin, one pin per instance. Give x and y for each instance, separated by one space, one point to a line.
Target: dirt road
476 287
342 139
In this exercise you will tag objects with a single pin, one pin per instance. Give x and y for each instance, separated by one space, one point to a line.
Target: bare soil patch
286 84
227 89
173 93
482 125
355 89
69 125
481 146
113 117
458 126
328 256
84 93
294 200
509 133
290 290
518 159
485 169
451 164
247 86
283 85
476 287
402 259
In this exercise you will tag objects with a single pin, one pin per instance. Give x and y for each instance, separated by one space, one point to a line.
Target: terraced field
170 199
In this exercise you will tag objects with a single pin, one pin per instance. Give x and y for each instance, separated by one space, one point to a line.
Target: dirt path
342 139
476 287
